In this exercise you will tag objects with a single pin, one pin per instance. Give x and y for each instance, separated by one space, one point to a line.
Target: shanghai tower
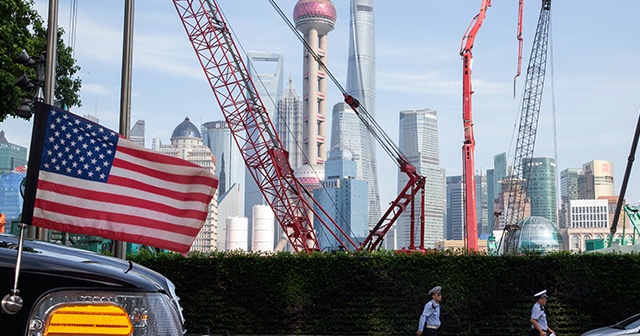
361 85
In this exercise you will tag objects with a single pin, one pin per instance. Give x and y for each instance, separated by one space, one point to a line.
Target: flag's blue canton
77 147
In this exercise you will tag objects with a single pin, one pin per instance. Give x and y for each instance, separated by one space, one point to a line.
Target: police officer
538 319
430 318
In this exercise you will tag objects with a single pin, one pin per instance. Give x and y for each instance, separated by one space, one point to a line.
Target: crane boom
249 122
531 101
468 147
406 197
262 150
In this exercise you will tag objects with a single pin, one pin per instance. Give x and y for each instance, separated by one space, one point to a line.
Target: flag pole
120 248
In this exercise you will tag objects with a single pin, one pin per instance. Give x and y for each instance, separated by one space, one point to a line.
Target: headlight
75 312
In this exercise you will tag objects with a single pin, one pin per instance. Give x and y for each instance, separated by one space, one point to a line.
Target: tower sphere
318 14
310 175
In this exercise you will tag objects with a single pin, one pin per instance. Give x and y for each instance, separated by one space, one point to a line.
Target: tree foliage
21 27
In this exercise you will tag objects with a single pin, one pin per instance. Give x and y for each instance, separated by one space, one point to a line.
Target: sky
591 99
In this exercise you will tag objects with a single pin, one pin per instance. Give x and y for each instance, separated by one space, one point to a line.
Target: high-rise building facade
495 176
217 136
599 179
11 155
265 69
419 142
455 208
482 204
136 134
491 196
229 206
11 200
344 198
186 143
568 191
361 73
289 124
541 188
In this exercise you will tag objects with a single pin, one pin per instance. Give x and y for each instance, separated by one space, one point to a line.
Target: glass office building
419 143
11 155
344 198
542 187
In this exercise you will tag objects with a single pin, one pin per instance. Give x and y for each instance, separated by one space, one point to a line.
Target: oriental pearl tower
315 19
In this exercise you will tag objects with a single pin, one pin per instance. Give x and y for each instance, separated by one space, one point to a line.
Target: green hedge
382 293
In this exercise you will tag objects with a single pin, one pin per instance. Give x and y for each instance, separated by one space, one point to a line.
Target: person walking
538 318
430 318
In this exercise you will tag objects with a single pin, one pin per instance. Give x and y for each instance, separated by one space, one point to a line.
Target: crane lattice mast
518 181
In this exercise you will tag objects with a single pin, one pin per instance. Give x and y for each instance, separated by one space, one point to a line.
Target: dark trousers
534 332
429 332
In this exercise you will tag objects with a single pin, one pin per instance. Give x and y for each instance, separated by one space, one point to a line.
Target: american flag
87 179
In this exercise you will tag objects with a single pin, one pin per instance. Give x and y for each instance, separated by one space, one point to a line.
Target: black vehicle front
67 291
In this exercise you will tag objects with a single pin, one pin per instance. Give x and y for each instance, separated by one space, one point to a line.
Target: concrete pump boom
468 147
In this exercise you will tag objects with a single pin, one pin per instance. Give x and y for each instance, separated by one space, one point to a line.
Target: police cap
541 294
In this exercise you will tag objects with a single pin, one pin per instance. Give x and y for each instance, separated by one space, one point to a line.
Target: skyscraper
499 172
455 208
541 188
186 143
344 198
217 136
11 155
568 192
136 134
265 69
491 195
10 196
482 200
289 124
347 130
419 142
599 175
229 206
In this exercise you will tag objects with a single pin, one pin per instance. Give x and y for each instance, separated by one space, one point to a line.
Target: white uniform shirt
538 314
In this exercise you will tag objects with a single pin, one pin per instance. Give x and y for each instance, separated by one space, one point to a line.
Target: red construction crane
468 147
260 147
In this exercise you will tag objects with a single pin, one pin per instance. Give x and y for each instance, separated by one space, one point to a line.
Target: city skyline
418 66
